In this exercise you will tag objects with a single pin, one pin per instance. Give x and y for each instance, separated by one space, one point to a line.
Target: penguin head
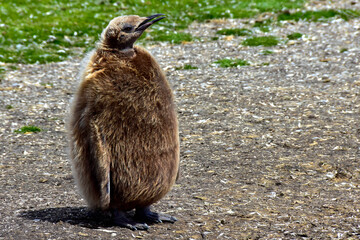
122 32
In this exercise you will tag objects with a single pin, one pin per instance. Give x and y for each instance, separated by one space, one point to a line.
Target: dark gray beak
147 23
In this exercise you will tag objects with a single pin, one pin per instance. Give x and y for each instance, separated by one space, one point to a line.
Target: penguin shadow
81 216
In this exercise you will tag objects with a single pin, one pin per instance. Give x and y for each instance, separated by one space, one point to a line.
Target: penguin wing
90 161
101 164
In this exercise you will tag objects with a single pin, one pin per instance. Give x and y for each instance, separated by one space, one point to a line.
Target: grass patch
342 50
186 67
13 67
50 30
8 107
345 14
47 84
263 23
265 29
189 67
264 26
2 73
294 36
266 41
266 52
28 129
235 32
225 63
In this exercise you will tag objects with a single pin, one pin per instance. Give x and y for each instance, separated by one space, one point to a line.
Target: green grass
28 129
266 41
267 52
187 67
47 84
225 63
2 72
264 26
39 31
8 107
294 36
265 29
342 50
345 14
13 67
235 31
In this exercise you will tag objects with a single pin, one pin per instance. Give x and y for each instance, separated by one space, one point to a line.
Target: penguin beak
147 23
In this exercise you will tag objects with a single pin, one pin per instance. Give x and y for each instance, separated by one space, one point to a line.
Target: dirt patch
270 150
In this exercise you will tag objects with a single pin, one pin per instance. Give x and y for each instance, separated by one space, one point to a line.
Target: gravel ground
270 150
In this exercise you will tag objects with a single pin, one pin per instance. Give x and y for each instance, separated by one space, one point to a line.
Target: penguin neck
122 53
127 52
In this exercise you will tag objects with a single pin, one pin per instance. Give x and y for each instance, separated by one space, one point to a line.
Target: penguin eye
127 29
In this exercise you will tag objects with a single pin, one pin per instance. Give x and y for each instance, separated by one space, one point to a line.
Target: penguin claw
144 214
121 220
167 218
139 226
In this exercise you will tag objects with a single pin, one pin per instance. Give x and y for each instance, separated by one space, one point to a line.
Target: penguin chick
124 142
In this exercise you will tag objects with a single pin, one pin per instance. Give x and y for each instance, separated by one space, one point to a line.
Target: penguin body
123 127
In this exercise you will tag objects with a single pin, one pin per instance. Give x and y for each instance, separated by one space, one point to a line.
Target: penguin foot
121 220
146 215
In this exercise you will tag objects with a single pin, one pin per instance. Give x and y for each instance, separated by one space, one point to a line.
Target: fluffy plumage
123 125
